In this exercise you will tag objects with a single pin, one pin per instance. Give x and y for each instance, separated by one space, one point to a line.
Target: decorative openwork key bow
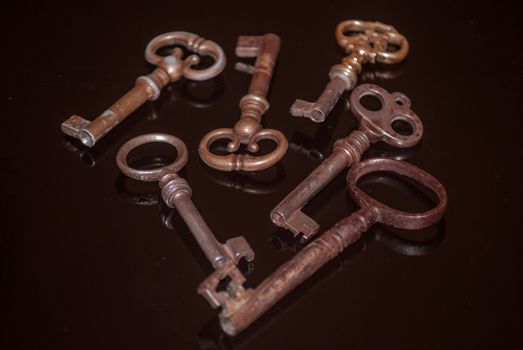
169 69
364 42
248 130
242 306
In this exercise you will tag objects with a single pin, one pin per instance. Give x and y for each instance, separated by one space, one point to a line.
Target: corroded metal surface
248 130
242 306
374 126
176 193
169 69
363 42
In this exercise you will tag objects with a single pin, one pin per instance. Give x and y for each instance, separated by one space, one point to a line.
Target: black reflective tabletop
94 260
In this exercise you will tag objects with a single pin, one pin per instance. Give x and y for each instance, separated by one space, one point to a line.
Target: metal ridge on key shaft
169 69
248 130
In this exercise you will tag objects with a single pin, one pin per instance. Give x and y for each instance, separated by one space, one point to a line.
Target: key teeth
234 294
298 223
238 247
74 126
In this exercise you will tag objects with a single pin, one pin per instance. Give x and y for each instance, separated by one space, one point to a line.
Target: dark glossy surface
84 267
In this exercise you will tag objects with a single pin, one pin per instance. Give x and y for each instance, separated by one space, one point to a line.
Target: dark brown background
84 268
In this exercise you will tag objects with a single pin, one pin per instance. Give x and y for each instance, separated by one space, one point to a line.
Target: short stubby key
241 306
169 69
176 193
363 42
248 130
374 126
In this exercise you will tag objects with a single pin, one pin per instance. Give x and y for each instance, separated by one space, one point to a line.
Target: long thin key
248 130
176 193
169 69
363 42
242 306
374 126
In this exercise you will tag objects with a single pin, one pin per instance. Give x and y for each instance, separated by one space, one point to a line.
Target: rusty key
363 42
242 306
176 193
374 126
147 87
248 130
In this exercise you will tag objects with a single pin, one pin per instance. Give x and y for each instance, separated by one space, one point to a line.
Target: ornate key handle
363 42
248 130
374 126
169 69
176 193
242 306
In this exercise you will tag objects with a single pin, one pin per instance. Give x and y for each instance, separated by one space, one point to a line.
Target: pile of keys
363 42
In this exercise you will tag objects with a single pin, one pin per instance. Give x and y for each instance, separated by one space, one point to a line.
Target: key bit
238 248
369 43
241 306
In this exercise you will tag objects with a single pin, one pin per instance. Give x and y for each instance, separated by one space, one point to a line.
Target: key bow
373 40
175 66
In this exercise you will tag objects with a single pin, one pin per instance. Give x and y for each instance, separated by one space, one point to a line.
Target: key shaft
288 214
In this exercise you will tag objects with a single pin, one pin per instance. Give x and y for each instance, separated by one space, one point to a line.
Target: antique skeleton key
176 193
169 69
242 306
248 130
363 42
374 126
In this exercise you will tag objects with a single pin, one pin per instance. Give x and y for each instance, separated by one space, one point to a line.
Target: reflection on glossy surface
315 147
146 198
198 94
251 183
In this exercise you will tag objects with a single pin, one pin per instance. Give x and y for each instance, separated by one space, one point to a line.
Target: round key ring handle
242 162
151 175
390 216
191 42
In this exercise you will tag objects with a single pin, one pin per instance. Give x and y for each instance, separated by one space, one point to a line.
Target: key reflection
256 183
198 94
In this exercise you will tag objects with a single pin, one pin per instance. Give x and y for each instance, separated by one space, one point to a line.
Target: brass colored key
248 130
363 42
147 88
